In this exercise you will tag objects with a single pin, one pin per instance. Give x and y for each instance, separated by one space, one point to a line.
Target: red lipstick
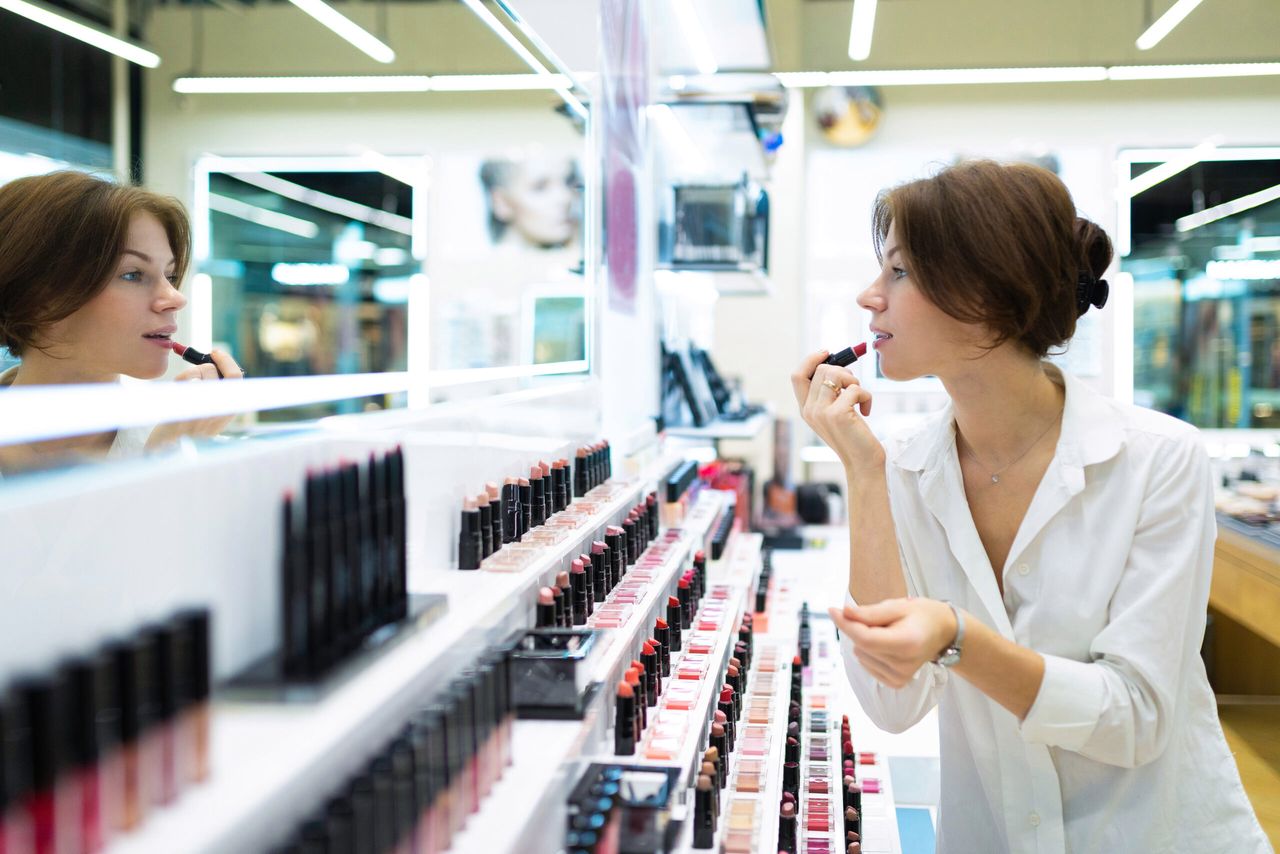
847 356
192 355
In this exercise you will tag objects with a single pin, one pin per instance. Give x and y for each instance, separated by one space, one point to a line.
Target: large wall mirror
1202 245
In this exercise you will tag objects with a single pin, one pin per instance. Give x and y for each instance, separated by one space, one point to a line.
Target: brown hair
999 245
61 236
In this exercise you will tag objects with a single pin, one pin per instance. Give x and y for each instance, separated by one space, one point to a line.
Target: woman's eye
132 276
899 273
173 280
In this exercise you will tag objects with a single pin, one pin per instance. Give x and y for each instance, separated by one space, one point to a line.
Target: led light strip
347 29
1063 74
492 22
861 26
1173 166
1165 23
90 34
1226 209
368 83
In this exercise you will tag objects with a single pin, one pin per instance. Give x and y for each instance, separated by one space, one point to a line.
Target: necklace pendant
995 478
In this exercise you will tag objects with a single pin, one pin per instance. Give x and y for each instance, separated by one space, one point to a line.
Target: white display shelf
746 429
525 812
274 763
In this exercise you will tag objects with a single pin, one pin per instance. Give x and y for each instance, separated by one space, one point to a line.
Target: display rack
274 762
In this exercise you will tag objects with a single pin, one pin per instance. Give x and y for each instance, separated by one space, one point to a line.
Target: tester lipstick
193 356
704 822
624 735
495 505
510 510
603 575
578 587
847 356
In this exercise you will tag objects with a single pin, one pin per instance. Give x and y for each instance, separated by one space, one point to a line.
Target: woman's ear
500 200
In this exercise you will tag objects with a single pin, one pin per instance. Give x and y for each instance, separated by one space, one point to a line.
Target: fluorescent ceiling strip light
861 27
346 28
492 22
1193 71
695 36
1066 74
545 49
1173 166
498 82
1165 23
1226 209
954 76
299 85
35 413
262 216
1250 270
90 34
326 202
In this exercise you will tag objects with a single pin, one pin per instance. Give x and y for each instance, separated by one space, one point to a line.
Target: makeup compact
551 672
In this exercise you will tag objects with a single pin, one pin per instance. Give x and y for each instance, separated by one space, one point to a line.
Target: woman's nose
171 299
870 298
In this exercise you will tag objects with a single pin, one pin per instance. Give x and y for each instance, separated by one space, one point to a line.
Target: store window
1203 248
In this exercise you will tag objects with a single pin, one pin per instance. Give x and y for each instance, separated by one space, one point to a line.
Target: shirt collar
1089 432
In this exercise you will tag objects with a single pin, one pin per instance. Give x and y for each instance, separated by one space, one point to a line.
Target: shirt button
1034 818
1023 569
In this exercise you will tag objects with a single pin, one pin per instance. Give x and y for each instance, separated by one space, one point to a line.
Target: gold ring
829 384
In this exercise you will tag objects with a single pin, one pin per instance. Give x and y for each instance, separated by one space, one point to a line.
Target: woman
1035 560
89 288
532 203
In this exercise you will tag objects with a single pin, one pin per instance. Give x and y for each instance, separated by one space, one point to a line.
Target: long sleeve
1118 707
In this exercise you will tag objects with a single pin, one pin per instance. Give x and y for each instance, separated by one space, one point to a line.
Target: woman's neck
39 368
1003 400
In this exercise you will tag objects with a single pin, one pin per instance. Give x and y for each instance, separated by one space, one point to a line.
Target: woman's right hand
836 414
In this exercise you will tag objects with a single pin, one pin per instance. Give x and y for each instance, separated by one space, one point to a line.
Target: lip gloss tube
195 717
15 776
82 710
164 700
52 803
133 689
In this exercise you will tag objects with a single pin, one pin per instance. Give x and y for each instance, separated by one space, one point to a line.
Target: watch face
950 657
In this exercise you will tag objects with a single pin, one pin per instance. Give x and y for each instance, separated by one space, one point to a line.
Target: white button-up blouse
1108 579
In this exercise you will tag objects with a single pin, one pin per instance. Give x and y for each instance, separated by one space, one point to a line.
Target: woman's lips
881 339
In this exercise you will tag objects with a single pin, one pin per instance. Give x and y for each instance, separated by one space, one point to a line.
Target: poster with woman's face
534 202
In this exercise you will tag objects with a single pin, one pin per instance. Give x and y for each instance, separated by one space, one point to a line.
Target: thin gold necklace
995 475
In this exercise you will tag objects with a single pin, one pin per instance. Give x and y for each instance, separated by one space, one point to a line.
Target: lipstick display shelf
525 812
272 762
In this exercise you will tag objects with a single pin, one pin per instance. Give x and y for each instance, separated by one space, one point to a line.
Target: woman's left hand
199 428
895 638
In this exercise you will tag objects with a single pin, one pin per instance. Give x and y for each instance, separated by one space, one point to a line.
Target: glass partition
1203 248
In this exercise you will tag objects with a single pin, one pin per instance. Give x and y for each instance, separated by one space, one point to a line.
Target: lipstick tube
578 585
486 524
563 487
370 550
495 506
787 828
662 633
673 622
53 804
349 478
720 742
791 778
725 704
601 579
510 511
624 736
399 538
403 800
526 506
640 717
580 479
317 567
649 658
704 823
339 569
613 537
538 497
546 610
588 569
294 592
469 538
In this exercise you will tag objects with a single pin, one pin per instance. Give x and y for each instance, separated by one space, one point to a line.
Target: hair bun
1093 248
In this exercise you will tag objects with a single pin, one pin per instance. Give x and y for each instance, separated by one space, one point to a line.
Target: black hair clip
1091 292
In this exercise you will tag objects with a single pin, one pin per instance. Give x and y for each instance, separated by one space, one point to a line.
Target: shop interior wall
1085 125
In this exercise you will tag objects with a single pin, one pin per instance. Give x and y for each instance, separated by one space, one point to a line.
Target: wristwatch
950 656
